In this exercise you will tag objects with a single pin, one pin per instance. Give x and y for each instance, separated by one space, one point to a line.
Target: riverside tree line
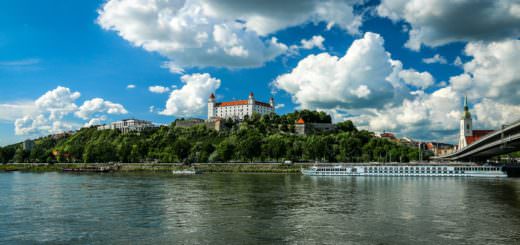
255 139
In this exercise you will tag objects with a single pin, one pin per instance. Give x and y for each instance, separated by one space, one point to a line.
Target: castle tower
251 99
466 125
211 106
271 102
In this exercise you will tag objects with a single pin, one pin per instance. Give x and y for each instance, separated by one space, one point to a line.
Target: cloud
99 105
19 63
314 42
228 33
95 121
421 80
457 61
130 86
492 72
367 86
279 106
11 111
493 115
438 22
192 98
363 77
50 112
58 102
423 116
158 89
435 59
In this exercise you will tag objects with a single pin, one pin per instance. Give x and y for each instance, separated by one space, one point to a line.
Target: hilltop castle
238 109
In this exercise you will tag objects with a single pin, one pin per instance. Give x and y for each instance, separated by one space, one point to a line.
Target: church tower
211 106
466 125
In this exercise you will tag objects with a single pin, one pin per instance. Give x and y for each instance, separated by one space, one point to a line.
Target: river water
60 208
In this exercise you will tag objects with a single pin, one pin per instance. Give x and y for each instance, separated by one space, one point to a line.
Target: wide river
146 208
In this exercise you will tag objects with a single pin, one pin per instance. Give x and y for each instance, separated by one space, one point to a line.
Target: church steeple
466 125
467 114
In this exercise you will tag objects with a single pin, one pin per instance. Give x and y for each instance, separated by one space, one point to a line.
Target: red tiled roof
477 134
300 121
481 133
262 104
233 103
387 135
241 102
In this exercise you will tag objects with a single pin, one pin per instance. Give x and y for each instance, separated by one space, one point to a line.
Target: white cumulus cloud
363 77
492 72
314 42
130 86
438 22
228 33
417 79
192 98
99 105
437 58
50 113
158 89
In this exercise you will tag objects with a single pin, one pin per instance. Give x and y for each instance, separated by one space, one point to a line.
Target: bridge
499 142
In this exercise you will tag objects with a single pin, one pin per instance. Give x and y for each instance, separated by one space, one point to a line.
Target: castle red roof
232 103
241 102
262 104
300 121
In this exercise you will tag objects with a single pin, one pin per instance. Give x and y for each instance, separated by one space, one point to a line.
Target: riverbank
159 167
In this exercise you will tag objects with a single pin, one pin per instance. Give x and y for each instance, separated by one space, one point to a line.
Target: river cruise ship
406 170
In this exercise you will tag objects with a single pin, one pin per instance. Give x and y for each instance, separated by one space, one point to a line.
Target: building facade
128 125
238 109
303 128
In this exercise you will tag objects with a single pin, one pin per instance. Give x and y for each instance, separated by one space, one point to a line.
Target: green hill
259 138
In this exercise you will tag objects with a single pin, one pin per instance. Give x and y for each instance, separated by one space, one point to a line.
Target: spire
466 113
212 96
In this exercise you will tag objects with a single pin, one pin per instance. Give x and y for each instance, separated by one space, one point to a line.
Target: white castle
239 108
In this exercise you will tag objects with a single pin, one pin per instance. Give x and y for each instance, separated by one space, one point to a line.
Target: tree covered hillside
259 138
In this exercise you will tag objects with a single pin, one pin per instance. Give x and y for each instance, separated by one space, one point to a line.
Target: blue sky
67 64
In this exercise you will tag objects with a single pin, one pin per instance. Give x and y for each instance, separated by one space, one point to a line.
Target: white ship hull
407 170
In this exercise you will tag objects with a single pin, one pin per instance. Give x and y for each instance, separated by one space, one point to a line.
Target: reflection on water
256 208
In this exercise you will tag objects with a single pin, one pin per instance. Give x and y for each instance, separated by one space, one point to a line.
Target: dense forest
258 138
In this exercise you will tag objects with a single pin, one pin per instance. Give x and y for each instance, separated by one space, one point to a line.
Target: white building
239 108
128 125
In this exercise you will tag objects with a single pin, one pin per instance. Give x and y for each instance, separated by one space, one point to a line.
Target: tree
2 156
249 146
135 155
349 147
346 126
201 151
225 150
274 146
182 148
20 155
